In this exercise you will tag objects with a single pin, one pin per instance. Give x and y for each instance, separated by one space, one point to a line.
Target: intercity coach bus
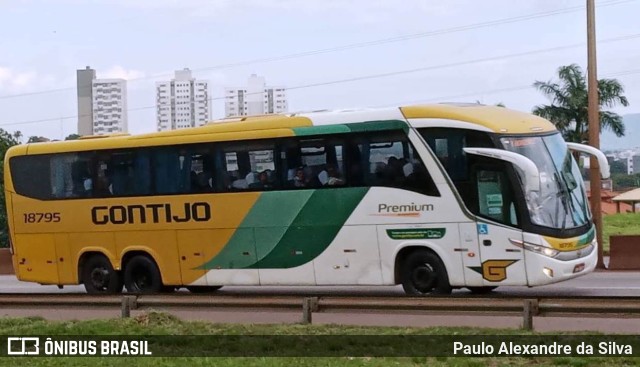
432 197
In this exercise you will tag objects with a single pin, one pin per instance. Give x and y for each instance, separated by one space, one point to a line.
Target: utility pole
594 126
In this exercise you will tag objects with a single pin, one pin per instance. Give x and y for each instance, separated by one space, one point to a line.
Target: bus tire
99 277
141 275
204 288
481 290
424 273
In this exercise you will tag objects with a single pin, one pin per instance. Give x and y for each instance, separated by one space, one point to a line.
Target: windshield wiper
567 176
563 194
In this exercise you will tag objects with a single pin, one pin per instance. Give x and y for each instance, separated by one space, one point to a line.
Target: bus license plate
578 268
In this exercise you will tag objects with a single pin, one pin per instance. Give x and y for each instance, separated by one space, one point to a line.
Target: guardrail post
529 310
309 305
128 303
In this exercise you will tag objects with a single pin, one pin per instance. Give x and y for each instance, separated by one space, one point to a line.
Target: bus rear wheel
204 288
141 275
424 273
99 276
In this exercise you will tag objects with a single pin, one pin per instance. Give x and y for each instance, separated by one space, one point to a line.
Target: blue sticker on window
483 228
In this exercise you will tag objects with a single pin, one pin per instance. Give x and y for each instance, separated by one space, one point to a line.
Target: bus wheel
481 290
141 275
204 288
424 273
99 276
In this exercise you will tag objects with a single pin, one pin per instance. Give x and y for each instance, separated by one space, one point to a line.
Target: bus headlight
546 251
542 250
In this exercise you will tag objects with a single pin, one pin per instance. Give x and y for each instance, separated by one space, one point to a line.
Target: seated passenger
334 176
240 184
263 181
299 179
394 173
204 182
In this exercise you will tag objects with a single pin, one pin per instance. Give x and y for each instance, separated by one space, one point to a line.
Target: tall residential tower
109 106
182 102
255 99
102 104
84 80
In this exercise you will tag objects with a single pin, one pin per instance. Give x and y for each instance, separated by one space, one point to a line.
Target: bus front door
502 262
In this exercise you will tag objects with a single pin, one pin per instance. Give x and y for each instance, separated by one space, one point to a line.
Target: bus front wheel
424 273
141 275
99 276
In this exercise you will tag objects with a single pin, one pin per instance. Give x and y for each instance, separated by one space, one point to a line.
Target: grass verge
619 224
154 323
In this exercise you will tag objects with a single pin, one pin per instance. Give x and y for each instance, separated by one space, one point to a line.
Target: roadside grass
155 323
615 224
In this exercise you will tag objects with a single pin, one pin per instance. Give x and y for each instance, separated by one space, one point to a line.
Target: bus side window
390 160
82 175
314 162
250 166
172 167
141 173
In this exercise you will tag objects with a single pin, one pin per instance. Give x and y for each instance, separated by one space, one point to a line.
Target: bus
431 197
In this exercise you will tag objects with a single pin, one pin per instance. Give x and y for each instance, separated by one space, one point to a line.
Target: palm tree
568 108
17 135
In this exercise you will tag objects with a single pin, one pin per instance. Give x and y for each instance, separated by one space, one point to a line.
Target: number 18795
41 217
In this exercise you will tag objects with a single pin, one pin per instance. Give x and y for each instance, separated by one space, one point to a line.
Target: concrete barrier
6 267
624 252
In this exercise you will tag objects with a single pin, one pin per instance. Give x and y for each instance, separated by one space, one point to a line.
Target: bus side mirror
525 165
589 150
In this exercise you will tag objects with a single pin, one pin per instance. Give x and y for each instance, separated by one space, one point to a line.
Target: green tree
6 141
72 137
619 166
568 108
37 139
623 182
18 136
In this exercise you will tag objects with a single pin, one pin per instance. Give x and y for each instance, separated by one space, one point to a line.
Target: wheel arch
130 253
88 252
402 251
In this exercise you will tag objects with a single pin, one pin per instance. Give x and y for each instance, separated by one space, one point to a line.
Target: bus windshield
561 202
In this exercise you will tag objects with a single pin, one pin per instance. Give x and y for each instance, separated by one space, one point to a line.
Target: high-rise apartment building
109 106
84 80
102 104
255 99
182 102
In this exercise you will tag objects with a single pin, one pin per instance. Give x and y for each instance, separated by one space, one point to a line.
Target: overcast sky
468 50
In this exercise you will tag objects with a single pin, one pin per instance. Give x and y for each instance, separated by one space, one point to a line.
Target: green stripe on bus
261 230
356 127
313 230
587 237
319 130
379 126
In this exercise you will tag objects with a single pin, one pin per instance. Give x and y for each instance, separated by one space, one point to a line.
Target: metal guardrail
528 308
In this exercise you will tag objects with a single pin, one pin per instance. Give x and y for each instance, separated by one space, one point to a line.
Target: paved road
604 283
595 284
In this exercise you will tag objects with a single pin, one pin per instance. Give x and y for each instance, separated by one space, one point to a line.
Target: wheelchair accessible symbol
483 229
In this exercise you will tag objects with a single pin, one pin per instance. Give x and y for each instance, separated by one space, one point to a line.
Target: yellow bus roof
496 119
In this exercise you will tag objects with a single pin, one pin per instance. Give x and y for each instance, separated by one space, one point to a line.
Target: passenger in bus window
203 182
333 176
299 179
263 181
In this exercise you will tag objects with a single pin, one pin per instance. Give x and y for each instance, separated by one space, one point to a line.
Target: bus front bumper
543 270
